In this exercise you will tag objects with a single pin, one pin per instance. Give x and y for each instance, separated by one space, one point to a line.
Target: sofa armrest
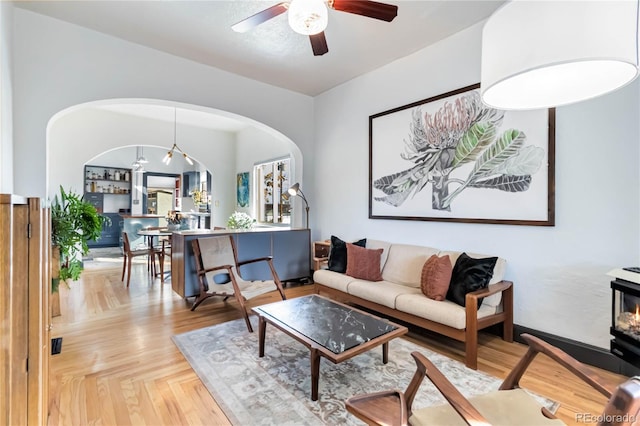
471 312
492 289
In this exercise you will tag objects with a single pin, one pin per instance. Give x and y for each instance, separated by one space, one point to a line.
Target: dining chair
130 253
160 250
218 269
509 405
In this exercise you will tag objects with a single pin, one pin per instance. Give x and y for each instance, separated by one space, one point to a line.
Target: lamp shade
293 189
308 17
541 54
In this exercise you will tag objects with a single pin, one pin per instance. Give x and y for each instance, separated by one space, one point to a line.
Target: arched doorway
223 143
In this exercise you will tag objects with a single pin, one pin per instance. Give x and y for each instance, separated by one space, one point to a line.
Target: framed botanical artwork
451 158
242 189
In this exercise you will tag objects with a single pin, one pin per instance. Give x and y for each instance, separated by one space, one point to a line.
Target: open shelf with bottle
107 180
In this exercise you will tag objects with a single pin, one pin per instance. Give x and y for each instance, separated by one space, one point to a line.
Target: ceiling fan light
308 17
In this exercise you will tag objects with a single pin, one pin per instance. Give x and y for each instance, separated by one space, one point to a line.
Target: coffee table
329 329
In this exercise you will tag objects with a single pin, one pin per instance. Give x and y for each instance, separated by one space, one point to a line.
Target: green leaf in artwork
504 183
473 142
505 147
527 161
498 152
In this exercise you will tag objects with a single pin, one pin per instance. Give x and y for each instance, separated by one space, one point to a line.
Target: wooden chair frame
394 407
129 254
204 287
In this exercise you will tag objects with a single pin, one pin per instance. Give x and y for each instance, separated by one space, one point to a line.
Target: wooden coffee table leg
385 352
315 373
262 328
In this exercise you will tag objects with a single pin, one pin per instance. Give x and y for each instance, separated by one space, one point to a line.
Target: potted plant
74 222
240 220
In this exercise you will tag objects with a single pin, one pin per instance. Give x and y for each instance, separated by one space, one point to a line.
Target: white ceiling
272 52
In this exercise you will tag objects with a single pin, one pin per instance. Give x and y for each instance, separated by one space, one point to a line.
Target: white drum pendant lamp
542 54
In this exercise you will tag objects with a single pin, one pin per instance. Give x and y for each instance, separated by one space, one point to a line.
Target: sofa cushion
469 275
376 244
338 254
363 263
381 292
445 312
333 279
436 276
498 274
405 262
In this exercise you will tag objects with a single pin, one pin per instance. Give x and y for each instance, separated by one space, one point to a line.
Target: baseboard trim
588 354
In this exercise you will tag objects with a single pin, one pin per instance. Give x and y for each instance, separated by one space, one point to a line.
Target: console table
290 249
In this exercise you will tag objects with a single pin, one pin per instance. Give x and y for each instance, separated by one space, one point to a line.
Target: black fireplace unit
625 321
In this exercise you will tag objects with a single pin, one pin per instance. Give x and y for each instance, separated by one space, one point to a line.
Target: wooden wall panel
5 326
24 338
39 319
19 313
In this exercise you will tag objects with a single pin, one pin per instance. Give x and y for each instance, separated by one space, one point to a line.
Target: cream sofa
399 296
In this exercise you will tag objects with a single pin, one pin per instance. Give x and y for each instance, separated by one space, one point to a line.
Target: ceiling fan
309 17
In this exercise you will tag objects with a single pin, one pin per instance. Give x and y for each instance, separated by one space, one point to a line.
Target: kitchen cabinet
96 200
108 189
190 182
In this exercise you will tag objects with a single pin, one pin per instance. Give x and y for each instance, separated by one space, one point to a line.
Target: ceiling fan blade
260 17
370 9
319 44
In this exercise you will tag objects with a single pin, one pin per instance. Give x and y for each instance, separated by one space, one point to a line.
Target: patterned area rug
276 389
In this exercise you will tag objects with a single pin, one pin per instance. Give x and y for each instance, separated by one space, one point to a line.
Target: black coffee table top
335 326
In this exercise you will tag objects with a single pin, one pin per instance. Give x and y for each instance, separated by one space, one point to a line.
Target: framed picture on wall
242 189
451 158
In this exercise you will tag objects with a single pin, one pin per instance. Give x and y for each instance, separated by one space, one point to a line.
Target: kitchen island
290 249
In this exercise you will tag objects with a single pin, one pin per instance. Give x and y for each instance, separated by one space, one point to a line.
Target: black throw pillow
469 275
338 254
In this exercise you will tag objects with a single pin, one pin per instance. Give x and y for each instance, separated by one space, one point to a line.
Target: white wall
558 272
58 65
6 99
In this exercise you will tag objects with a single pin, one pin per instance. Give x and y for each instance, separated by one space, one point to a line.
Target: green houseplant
240 220
74 222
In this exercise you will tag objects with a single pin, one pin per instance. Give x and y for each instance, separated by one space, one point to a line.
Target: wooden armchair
217 267
509 405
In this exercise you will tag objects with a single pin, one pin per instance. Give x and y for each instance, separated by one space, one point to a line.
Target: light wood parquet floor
118 365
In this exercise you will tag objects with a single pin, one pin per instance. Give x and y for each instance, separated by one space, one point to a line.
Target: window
272 199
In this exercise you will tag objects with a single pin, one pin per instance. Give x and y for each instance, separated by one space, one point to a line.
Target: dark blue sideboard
290 248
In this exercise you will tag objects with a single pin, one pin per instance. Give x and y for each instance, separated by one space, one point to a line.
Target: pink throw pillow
436 275
363 263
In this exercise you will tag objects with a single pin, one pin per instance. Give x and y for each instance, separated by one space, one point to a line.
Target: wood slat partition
24 355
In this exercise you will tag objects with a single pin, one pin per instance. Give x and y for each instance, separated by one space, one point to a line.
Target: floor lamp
294 190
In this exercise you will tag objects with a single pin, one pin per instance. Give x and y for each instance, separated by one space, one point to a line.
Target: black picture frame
451 158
